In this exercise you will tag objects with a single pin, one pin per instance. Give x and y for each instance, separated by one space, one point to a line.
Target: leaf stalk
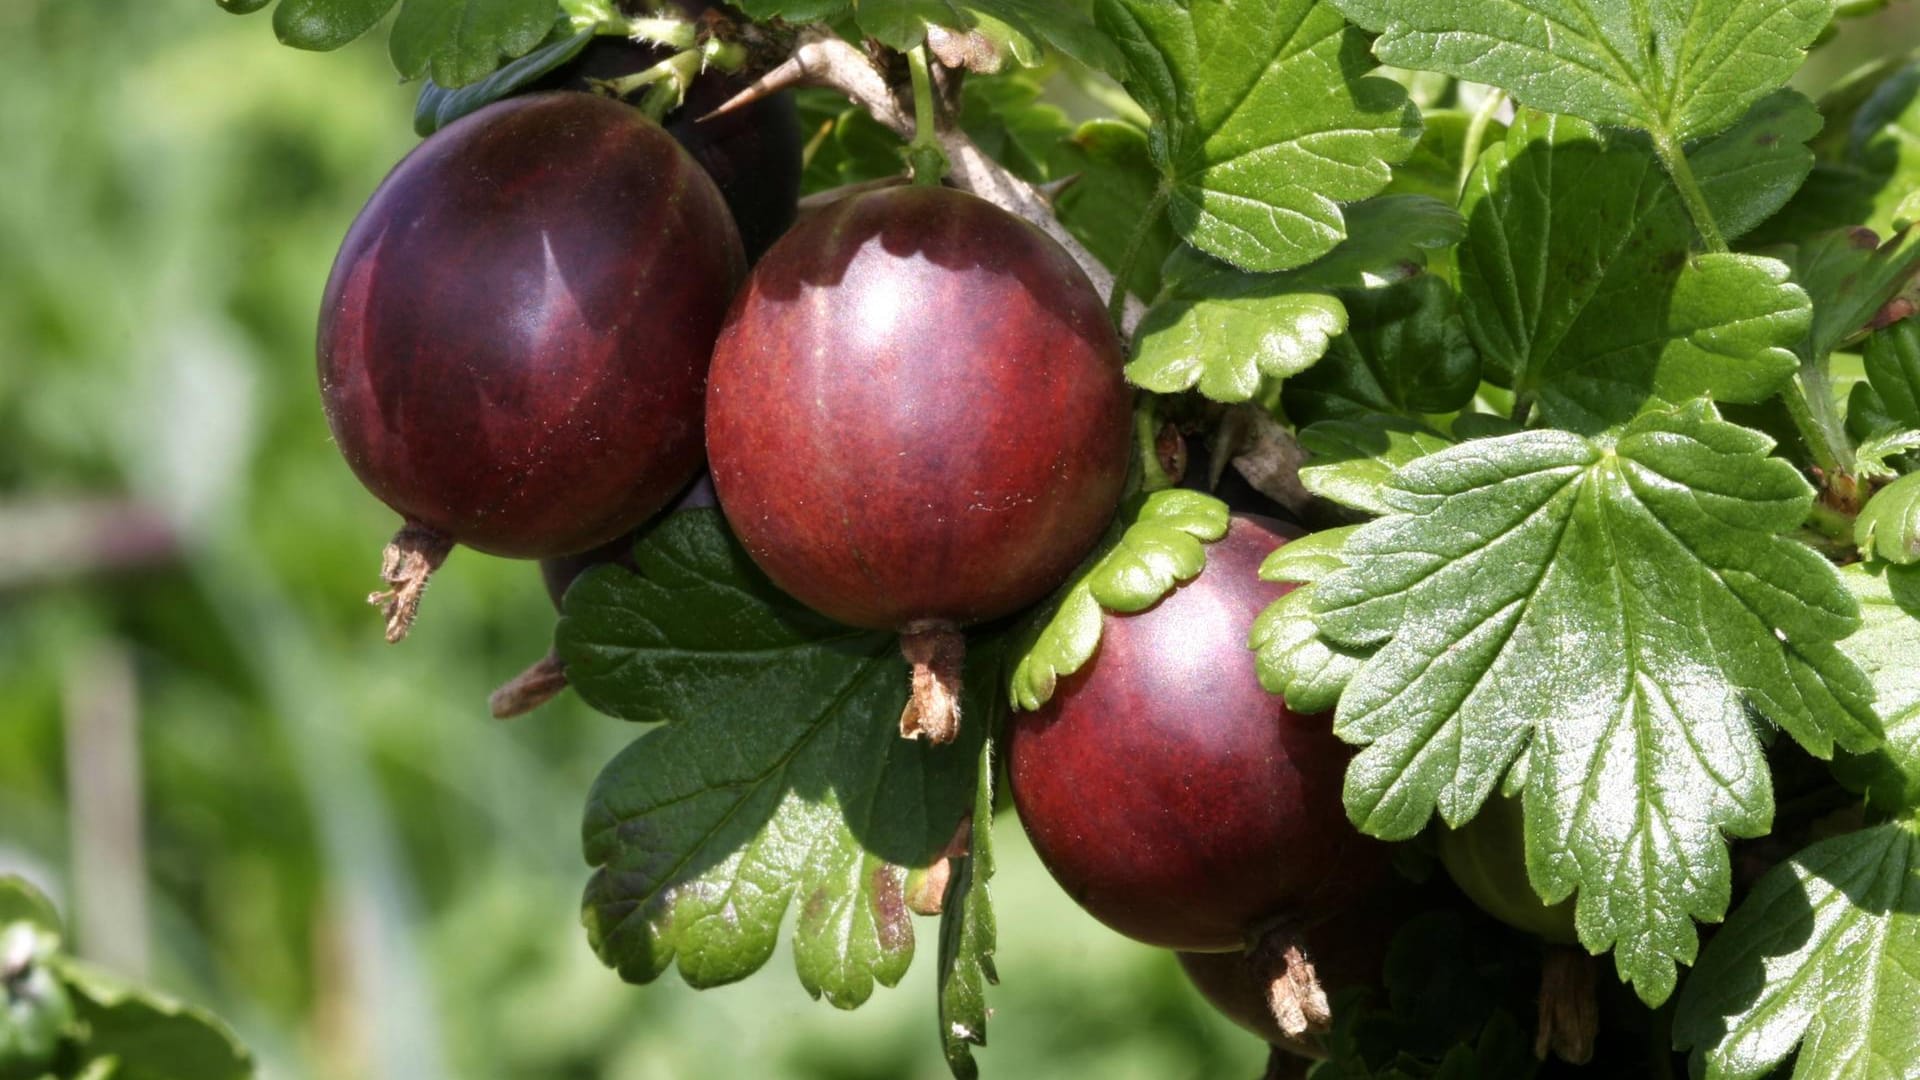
1810 402
1476 137
1117 296
1691 193
925 158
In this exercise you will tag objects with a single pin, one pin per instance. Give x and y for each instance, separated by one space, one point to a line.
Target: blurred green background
207 753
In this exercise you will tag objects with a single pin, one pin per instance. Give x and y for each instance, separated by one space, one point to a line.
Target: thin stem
1691 193
1522 407
1830 523
665 82
1477 135
1810 403
1117 298
1813 377
1810 431
1146 438
924 156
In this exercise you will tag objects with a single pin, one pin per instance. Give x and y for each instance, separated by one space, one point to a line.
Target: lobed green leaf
1885 647
1850 275
1353 459
1405 352
1156 543
1824 954
150 1036
1580 291
457 42
22 901
1293 659
1223 332
439 106
778 780
968 929
1893 369
1614 609
1889 526
1265 120
1682 69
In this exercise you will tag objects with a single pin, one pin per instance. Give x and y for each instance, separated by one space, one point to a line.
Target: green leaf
1679 70
1849 275
22 901
1294 660
152 1036
462 41
1014 28
1823 954
36 1012
324 25
1885 647
1006 117
780 777
1221 331
1893 367
1615 609
1754 169
1578 287
1352 459
1433 169
1876 454
439 106
1889 527
968 931
845 145
1265 120
1156 543
1883 149
1104 207
1405 352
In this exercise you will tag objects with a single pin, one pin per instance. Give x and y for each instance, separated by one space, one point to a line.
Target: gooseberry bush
1421 504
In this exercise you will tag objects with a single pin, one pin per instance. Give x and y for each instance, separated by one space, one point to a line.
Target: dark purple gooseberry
1177 800
916 421
514 341
752 153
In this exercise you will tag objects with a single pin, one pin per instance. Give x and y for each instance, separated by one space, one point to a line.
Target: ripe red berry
752 153
916 420
514 341
1176 799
